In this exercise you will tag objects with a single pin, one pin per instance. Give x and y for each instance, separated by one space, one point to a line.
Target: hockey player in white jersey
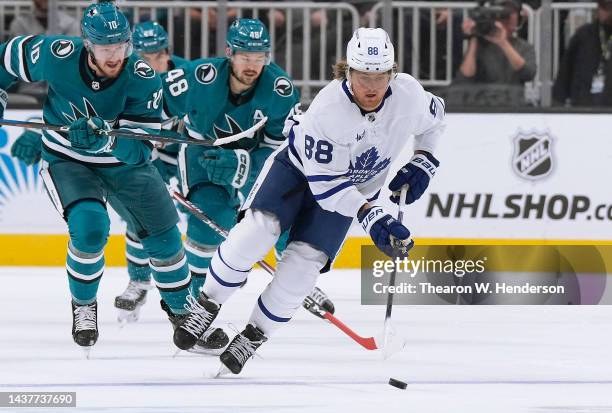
329 171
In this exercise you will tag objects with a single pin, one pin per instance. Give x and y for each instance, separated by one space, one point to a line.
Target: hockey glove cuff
227 167
416 174
388 234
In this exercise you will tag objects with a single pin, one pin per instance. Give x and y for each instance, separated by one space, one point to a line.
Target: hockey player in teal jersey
222 97
96 83
150 42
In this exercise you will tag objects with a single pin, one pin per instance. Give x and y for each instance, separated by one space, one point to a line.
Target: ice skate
202 312
85 324
130 302
320 299
242 348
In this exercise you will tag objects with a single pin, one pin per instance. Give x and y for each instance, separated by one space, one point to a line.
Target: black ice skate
131 301
192 326
242 348
85 324
320 300
212 342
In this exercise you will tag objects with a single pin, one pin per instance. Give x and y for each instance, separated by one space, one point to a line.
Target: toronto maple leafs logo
367 166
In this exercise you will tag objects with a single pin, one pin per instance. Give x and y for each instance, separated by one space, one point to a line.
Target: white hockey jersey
345 153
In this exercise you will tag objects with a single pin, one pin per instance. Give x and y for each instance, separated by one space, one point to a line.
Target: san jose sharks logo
367 166
90 111
234 128
62 48
283 86
142 69
206 73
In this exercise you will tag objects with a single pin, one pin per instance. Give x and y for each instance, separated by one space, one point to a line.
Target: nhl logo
95 85
532 158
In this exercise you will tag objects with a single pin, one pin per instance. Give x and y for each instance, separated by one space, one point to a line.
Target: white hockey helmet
370 50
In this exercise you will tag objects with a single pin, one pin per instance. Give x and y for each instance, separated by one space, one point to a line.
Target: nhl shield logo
532 158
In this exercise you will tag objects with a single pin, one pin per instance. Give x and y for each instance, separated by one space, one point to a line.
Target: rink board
503 179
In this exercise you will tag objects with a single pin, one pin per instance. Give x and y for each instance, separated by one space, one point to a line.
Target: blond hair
341 68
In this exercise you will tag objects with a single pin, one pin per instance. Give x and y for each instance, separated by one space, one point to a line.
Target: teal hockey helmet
104 24
149 37
248 35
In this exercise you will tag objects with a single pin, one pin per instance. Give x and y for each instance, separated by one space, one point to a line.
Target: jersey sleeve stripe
8 53
142 119
333 191
139 125
23 67
323 178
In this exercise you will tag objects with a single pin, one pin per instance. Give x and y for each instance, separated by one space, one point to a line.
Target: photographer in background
585 72
495 54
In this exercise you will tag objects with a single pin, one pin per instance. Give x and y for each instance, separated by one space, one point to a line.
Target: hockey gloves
27 147
387 232
226 166
416 174
87 134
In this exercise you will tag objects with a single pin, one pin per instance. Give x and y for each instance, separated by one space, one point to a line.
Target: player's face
247 66
158 60
369 88
109 58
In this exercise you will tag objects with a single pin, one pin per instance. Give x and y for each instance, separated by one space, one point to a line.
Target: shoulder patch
62 48
142 69
206 73
283 86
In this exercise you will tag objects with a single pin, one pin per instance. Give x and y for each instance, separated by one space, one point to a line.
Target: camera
486 16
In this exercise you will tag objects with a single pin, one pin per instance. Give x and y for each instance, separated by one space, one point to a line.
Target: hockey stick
368 343
167 137
389 342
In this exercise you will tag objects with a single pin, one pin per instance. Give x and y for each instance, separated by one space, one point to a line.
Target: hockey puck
398 383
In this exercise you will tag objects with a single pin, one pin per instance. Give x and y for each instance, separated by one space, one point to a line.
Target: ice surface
458 359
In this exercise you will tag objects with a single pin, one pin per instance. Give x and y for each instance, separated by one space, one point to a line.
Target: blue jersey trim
374 197
294 151
333 191
222 282
324 178
268 314
227 265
